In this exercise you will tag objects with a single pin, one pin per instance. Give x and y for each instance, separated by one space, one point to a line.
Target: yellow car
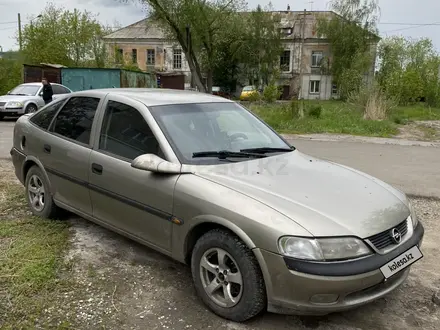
248 92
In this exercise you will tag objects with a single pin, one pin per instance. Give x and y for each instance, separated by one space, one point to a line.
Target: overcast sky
413 18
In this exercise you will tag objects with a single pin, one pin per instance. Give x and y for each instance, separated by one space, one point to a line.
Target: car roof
157 96
37 84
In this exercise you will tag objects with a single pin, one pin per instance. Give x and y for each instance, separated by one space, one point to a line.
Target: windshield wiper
264 150
223 154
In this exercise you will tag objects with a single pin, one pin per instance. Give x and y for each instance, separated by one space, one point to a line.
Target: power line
11 22
387 23
9 28
413 27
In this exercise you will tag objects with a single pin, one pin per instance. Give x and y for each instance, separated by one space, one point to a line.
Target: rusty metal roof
144 29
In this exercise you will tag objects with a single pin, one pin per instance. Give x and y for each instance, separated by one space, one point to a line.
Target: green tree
70 38
352 34
261 45
10 74
205 22
409 69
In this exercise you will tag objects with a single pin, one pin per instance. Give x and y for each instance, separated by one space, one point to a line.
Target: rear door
136 202
65 153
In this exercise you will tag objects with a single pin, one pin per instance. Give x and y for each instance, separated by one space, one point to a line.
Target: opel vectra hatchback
203 180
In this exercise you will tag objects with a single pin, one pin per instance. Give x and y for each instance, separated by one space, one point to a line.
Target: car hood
15 98
325 198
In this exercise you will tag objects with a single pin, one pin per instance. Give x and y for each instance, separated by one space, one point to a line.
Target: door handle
47 148
97 169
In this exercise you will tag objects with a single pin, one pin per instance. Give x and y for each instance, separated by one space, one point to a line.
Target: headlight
322 249
14 105
413 215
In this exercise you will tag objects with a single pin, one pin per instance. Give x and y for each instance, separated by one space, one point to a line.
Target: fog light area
324 298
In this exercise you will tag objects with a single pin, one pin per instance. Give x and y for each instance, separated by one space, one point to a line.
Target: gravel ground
119 284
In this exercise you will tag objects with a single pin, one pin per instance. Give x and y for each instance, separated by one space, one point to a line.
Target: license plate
401 262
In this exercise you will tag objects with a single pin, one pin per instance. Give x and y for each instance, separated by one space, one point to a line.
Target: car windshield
28 90
199 129
248 88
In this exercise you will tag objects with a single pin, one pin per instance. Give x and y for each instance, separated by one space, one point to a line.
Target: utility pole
301 69
20 40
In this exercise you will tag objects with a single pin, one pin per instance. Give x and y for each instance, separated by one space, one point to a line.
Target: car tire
38 195
31 108
247 301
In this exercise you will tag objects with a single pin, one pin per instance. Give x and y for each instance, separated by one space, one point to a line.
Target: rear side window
75 119
44 117
57 89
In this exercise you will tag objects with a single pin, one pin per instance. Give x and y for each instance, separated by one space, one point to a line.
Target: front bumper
11 111
304 288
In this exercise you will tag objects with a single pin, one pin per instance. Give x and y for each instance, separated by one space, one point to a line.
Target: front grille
2 104
383 240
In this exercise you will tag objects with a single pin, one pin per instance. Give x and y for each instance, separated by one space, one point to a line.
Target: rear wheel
39 196
227 276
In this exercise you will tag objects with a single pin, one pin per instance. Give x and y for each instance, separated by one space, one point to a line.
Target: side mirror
40 93
153 163
9 92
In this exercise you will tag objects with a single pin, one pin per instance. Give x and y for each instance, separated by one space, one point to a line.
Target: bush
271 93
254 97
373 102
315 111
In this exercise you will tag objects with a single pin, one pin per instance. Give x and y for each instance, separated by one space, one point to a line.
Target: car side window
43 117
75 119
57 89
125 132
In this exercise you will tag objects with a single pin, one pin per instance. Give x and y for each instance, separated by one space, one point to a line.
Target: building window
119 55
316 59
134 56
286 31
314 86
151 57
177 59
334 89
285 61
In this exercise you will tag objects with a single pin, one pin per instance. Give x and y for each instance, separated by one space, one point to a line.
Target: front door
66 151
134 201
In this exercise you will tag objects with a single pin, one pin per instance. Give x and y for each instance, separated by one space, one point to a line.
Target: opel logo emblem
396 235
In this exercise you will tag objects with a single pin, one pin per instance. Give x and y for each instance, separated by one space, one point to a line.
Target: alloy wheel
221 277
36 193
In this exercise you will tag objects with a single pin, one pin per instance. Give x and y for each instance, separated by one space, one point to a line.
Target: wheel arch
204 224
33 161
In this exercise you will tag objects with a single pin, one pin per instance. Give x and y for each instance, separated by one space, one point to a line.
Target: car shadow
9 119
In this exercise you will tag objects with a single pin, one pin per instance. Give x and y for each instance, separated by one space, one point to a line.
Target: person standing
47 91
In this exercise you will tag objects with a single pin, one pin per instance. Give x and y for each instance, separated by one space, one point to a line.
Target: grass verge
31 256
338 118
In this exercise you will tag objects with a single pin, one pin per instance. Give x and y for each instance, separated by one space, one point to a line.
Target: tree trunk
195 73
209 81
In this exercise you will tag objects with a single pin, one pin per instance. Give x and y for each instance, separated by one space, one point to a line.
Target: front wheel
31 108
227 276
